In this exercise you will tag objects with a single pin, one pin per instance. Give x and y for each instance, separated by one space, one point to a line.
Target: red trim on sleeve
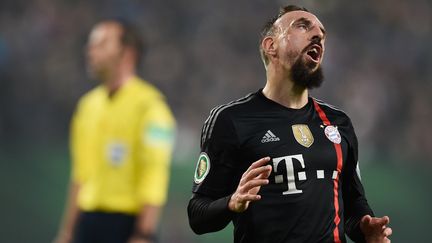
338 150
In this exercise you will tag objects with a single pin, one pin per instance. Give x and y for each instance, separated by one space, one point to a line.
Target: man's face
104 49
299 37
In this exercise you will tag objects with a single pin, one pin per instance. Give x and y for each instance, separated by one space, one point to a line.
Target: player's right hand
250 183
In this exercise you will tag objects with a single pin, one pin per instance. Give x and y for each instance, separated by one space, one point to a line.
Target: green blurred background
201 54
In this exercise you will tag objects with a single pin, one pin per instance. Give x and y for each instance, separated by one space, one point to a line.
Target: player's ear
268 46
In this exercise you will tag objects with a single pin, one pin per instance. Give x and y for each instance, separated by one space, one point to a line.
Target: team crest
202 168
116 153
303 135
333 134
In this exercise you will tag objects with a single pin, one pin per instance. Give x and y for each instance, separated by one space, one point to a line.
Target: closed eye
303 23
303 26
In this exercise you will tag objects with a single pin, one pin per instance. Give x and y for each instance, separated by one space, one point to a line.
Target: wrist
232 205
235 206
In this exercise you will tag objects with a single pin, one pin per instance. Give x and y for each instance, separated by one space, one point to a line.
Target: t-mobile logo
289 164
291 175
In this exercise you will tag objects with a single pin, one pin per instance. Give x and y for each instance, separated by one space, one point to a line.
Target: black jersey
314 192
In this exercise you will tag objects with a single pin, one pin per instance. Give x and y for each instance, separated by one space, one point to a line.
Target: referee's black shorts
98 227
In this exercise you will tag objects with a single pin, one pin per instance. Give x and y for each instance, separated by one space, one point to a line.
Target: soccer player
279 164
121 141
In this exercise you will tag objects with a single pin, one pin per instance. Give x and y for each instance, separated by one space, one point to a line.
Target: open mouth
314 52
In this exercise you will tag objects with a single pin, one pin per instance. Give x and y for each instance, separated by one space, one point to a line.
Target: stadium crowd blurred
204 53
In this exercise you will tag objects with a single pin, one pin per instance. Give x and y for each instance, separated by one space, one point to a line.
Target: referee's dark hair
130 37
269 30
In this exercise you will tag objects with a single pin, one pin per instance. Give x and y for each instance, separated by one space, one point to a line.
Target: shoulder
141 91
221 116
92 97
150 100
144 87
333 113
145 94
337 117
224 111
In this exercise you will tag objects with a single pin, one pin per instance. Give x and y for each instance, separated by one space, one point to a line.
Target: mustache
314 41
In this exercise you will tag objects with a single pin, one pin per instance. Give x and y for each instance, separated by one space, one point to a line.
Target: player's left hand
376 230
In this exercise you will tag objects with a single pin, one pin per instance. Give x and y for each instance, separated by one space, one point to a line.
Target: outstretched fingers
255 173
252 179
258 163
255 176
248 186
243 198
385 220
376 229
387 231
375 222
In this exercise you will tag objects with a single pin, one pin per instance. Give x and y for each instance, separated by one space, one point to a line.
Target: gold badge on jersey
303 135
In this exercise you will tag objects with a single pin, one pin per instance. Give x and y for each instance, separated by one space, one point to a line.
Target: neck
118 78
281 89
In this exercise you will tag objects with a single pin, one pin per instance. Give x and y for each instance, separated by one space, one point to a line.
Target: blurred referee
121 141
279 164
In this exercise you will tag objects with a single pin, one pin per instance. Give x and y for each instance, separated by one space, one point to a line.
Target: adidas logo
269 137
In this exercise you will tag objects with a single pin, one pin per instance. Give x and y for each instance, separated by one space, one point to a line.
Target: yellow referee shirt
121 148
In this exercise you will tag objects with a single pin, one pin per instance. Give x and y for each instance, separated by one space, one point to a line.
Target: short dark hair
268 29
130 37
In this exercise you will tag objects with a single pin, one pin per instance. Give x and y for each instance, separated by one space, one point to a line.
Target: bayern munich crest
333 134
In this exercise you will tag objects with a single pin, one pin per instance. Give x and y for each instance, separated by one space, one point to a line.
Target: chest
301 149
111 119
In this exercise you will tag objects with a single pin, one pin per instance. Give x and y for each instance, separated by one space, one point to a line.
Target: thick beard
302 75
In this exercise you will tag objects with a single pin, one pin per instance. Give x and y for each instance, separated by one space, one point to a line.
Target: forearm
356 207
352 226
208 215
70 214
147 223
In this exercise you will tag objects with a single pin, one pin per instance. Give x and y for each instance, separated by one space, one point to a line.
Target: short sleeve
156 137
79 156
